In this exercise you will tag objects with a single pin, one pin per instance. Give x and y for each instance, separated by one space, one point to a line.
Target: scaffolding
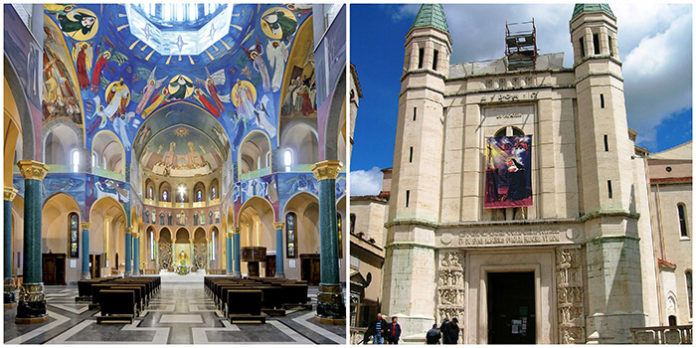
520 45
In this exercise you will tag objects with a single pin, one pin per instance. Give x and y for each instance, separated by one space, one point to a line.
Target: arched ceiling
123 83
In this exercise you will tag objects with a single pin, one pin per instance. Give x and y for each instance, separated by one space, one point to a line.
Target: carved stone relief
450 287
570 291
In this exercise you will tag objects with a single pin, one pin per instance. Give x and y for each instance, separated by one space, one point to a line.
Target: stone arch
164 248
55 229
109 153
200 249
337 111
21 114
60 138
255 221
301 139
306 209
254 152
108 222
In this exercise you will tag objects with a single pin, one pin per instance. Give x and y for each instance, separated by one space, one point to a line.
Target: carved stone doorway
511 308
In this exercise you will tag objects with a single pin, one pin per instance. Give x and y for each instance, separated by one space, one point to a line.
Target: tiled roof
431 15
582 8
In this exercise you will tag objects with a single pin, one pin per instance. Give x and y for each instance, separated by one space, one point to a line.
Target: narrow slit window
408 194
601 100
420 58
435 60
681 209
582 47
611 45
611 194
414 114
606 143
410 154
595 41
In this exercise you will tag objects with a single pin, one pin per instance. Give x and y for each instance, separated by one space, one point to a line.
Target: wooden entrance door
95 266
53 266
311 268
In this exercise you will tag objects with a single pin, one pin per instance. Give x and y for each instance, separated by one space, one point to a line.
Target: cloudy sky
655 46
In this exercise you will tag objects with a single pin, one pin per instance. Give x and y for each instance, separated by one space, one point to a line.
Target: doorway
53 266
270 265
311 268
95 266
511 308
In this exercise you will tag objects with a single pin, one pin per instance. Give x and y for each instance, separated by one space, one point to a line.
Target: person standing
378 328
452 333
393 332
433 335
445 329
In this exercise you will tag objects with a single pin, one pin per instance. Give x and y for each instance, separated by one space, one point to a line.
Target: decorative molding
278 225
394 245
10 193
570 292
451 298
326 170
84 225
32 169
412 221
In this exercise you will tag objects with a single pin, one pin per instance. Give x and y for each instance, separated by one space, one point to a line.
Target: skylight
177 28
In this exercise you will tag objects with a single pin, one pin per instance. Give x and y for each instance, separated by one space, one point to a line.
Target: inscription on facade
498 238
509 97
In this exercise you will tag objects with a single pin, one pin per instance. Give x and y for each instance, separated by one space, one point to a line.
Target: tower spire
431 15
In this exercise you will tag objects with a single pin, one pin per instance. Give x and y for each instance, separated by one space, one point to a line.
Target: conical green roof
582 8
431 15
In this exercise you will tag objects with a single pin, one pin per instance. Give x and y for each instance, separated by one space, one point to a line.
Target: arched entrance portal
200 249
301 236
164 251
182 248
256 229
60 220
107 237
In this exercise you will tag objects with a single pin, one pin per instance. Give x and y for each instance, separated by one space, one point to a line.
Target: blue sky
655 46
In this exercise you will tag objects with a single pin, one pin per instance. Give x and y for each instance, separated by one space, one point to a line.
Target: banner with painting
508 172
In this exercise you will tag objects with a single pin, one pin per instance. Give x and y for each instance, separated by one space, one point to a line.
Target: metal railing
680 334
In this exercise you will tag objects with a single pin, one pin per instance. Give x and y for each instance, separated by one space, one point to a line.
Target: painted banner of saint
508 172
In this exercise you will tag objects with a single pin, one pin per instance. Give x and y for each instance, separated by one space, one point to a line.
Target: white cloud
365 182
400 12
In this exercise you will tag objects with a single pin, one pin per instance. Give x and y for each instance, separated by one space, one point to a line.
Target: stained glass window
74 235
290 235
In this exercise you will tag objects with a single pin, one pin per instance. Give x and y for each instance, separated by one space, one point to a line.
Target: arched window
689 295
181 194
290 234
199 192
681 210
339 227
508 132
214 189
107 146
254 152
212 244
75 158
74 235
152 244
149 189
165 192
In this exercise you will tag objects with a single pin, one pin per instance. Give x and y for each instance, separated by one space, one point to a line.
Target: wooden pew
244 306
117 305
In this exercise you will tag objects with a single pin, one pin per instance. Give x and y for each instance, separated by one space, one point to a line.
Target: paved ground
180 313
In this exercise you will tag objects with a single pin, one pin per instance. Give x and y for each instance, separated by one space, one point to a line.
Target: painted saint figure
98 68
255 55
281 26
83 60
277 53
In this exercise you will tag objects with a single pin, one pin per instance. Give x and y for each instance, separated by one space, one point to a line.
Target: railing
662 335
255 173
357 334
108 174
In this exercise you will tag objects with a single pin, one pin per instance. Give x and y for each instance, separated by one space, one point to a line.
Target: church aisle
180 314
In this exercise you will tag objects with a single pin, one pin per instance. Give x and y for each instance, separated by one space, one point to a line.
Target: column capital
230 235
84 225
278 225
129 230
33 169
237 229
10 193
191 240
326 170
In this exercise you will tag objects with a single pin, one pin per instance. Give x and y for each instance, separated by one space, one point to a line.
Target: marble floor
180 313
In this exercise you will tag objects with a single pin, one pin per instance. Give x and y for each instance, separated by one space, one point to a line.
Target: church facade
519 202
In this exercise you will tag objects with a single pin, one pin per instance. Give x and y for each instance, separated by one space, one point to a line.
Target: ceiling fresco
120 83
181 151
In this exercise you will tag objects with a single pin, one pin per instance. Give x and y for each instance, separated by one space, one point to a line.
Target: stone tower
608 207
409 283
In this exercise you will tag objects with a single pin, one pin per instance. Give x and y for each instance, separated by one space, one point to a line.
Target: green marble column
129 244
237 254
136 253
331 304
85 250
31 308
10 194
280 266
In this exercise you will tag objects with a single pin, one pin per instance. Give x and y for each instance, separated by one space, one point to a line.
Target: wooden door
310 268
270 265
95 266
49 269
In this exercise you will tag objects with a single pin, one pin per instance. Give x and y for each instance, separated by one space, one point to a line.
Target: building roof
584 8
431 15
679 152
354 73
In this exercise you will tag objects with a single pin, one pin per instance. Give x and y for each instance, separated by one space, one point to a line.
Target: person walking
378 329
393 332
433 335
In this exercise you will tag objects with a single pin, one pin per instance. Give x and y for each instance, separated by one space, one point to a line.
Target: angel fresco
179 87
255 55
200 97
211 82
117 98
277 53
244 98
150 87
82 55
79 23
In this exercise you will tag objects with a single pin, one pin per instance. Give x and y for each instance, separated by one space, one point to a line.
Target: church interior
191 156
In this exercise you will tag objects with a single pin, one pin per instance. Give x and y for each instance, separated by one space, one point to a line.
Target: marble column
136 253
191 250
280 266
85 250
129 239
10 194
228 248
237 254
330 303
31 308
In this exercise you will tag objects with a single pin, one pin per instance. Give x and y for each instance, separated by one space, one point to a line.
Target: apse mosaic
95 63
